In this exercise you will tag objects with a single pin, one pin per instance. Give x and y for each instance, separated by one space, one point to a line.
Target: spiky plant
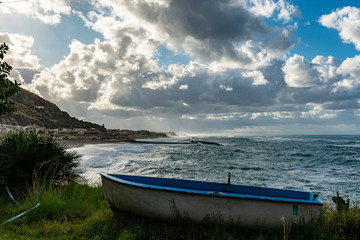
26 157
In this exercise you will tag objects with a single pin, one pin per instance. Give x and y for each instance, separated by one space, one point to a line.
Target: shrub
7 87
25 157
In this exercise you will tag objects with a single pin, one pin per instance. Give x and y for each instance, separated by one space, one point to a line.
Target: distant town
85 133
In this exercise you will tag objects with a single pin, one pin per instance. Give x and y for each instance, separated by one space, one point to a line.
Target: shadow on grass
182 227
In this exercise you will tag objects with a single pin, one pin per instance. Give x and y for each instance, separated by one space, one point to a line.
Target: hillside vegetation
34 110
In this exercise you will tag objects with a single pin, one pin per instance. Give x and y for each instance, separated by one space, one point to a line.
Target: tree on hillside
7 87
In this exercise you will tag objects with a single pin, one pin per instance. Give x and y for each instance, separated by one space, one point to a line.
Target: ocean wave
320 164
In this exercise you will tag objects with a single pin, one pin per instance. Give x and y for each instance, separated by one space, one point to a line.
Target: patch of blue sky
166 57
317 39
312 38
70 29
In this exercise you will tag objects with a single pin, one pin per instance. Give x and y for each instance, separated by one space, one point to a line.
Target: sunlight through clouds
48 12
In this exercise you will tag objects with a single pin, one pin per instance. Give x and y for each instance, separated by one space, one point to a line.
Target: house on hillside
65 130
10 128
30 128
34 129
80 130
93 130
2 128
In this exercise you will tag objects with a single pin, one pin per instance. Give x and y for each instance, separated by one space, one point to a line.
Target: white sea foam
111 158
319 164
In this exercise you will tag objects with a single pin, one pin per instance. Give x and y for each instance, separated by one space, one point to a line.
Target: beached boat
165 198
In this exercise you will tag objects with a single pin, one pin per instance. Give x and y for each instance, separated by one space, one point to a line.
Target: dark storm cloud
210 29
204 92
345 104
228 91
202 19
211 19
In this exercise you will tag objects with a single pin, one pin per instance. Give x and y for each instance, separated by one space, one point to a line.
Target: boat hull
167 205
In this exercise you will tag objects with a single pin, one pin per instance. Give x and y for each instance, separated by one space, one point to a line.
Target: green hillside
34 110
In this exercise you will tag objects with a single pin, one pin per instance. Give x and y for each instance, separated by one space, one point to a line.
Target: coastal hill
34 110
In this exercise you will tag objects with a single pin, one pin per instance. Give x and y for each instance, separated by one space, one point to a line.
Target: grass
70 211
77 211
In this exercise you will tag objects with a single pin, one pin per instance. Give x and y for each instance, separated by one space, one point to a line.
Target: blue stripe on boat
216 189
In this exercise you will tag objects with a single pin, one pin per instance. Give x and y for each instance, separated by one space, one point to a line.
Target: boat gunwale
316 201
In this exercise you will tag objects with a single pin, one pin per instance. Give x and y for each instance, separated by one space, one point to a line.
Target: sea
324 165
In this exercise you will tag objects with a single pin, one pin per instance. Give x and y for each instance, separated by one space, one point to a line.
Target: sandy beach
82 142
75 143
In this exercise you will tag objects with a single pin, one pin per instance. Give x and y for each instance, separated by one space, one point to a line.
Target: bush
26 157
7 87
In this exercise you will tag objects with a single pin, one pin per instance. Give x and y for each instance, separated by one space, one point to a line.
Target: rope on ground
11 196
19 215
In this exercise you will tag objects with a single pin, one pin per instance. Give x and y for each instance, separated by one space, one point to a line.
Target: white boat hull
167 205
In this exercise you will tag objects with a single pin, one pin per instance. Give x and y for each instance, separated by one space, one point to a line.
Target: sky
209 67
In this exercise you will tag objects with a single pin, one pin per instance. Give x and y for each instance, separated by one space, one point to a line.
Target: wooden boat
164 198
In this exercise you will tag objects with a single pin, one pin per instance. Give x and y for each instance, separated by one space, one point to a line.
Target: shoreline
113 136
75 143
81 142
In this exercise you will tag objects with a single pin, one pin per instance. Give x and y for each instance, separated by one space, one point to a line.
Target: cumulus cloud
257 76
48 12
327 68
350 83
263 7
268 8
25 64
347 21
299 72
321 71
351 67
184 87
324 80
19 55
84 71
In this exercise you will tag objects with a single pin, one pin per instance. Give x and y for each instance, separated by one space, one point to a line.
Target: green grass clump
65 212
25 157
345 223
